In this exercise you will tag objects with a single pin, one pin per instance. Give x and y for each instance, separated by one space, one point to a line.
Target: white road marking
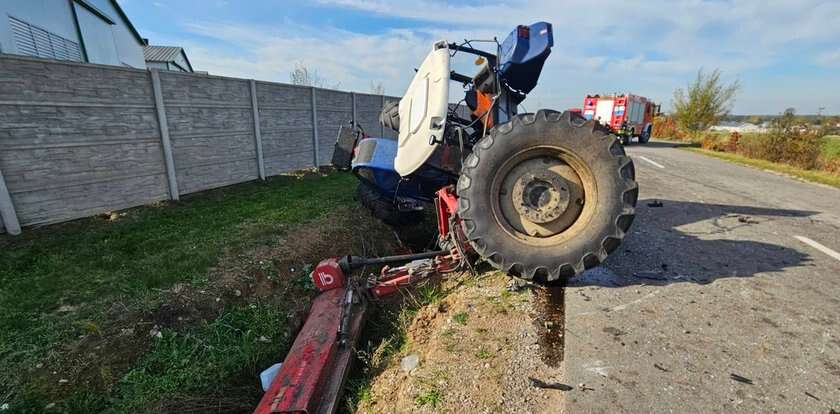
652 162
818 246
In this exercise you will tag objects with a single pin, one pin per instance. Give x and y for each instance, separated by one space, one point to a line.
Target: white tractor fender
423 111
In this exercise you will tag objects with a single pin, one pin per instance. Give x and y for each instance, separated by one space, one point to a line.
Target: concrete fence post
257 134
7 209
353 106
315 128
381 126
164 136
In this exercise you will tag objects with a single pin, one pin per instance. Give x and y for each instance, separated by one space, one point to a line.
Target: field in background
797 152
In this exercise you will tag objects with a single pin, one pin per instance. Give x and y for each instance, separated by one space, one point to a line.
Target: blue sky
785 53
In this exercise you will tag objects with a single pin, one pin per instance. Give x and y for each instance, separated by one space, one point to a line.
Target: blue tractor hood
523 54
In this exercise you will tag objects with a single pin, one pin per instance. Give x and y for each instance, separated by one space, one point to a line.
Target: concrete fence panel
368 108
80 139
334 109
211 127
77 140
286 125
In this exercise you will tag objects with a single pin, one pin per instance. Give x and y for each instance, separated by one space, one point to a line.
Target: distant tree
304 76
755 119
377 88
704 102
791 140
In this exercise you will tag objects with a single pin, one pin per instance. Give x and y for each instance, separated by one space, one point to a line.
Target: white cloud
647 47
353 60
830 58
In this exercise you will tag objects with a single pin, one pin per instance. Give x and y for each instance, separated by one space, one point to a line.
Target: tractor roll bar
491 58
459 77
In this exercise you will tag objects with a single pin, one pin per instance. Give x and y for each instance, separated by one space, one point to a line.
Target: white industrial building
91 31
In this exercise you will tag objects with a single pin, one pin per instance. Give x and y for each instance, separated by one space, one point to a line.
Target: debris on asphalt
812 395
550 385
747 220
741 379
661 368
410 362
655 204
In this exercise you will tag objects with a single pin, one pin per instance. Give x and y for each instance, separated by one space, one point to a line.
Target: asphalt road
724 299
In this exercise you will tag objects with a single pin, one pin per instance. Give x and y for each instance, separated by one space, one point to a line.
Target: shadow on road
697 243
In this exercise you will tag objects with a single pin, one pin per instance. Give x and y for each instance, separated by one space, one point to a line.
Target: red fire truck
627 115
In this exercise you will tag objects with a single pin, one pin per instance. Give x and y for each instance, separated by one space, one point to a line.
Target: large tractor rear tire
546 196
383 208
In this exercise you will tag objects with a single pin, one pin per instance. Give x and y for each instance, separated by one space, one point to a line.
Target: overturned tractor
541 196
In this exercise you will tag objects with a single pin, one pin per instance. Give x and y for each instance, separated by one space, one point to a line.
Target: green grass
831 147
91 265
810 175
461 318
206 355
432 397
483 354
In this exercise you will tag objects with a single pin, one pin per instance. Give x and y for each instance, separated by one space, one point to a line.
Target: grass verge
809 175
80 299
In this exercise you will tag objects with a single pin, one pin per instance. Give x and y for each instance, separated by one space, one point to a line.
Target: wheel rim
540 195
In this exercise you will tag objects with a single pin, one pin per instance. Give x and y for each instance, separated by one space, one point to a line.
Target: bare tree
302 75
377 88
704 102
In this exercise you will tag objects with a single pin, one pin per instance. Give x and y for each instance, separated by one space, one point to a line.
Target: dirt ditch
482 347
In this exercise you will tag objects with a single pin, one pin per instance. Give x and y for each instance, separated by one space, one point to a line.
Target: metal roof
161 53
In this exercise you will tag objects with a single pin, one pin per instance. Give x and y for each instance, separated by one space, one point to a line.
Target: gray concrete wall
79 139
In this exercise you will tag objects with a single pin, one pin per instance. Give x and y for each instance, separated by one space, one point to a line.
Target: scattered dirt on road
550 320
476 349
